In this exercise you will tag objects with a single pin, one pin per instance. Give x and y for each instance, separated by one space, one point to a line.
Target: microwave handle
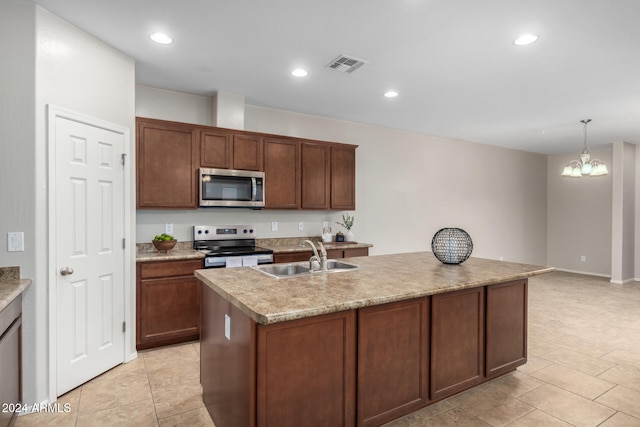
254 189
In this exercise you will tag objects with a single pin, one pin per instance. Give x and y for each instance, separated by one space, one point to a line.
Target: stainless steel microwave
231 188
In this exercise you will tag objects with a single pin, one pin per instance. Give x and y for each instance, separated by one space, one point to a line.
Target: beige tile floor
583 370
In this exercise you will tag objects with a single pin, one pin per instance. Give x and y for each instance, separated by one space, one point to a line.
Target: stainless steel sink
334 265
299 269
283 270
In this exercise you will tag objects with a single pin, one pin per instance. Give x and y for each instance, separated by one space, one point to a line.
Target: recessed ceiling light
299 72
161 38
391 94
525 39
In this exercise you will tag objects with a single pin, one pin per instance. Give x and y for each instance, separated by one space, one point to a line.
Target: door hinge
124 243
122 160
124 327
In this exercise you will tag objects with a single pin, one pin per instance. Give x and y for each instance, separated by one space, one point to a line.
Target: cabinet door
247 152
457 337
506 335
343 177
167 165
393 360
292 257
306 372
282 174
167 307
316 181
10 366
216 149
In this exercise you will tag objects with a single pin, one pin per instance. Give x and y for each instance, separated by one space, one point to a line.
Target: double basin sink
302 269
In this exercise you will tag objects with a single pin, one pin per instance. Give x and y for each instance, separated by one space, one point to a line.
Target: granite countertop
296 244
380 279
146 252
11 286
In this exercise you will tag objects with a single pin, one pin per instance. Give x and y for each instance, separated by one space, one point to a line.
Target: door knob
66 271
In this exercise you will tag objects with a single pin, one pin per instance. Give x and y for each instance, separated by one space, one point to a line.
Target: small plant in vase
347 223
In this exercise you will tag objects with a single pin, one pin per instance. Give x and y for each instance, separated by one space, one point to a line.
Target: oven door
237 261
231 188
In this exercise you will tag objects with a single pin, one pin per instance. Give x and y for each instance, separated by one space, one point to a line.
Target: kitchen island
359 347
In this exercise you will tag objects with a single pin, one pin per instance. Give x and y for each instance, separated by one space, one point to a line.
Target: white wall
52 62
408 186
579 217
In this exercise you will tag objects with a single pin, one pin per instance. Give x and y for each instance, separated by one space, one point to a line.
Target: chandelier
585 166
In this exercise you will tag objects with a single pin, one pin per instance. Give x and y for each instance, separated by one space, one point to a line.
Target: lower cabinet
331 254
457 341
306 372
393 360
506 328
167 303
10 381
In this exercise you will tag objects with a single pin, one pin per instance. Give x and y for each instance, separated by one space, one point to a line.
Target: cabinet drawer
10 313
150 270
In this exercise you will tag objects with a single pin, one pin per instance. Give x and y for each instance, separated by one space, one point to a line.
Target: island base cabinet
506 329
306 372
457 341
227 361
393 360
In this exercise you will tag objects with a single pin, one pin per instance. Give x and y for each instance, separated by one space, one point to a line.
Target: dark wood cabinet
225 149
457 341
331 254
311 364
343 177
167 303
10 365
506 328
316 180
282 173
167 159
393 360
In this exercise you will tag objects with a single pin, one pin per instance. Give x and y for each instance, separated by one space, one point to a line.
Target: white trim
622 282
129 354
586 273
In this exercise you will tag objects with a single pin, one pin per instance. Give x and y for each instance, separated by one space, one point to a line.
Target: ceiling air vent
346 64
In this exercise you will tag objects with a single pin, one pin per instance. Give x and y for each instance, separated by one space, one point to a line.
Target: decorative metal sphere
451 245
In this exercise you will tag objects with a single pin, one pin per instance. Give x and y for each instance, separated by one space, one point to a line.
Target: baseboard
586 273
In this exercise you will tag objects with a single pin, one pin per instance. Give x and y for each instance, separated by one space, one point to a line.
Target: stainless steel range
229 246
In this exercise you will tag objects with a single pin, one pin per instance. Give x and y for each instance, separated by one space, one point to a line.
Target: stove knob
206 231
245 231
199 231
251 231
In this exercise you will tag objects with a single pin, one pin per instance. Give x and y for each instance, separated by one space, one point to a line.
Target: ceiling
453 62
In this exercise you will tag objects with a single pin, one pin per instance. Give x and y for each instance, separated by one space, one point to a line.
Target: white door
89 210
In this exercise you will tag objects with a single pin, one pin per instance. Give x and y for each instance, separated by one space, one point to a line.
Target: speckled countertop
146 252
296 244
182 250
380 279
11 286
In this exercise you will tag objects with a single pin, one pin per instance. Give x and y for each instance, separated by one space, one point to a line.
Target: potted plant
347 223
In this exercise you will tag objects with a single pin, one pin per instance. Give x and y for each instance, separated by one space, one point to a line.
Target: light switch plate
168 228
15 241
274 226
300 225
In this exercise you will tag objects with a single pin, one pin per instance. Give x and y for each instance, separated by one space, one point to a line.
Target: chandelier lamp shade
585 166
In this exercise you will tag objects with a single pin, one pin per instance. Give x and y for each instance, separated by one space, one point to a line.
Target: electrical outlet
227 327
168 228
325 224
583 258
274 226
300 225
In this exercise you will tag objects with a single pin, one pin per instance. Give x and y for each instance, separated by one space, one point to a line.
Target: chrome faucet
320 259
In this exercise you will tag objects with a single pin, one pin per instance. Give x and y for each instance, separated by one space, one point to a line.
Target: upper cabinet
281 173
167 165
225 149
299 174
316 170
343 177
